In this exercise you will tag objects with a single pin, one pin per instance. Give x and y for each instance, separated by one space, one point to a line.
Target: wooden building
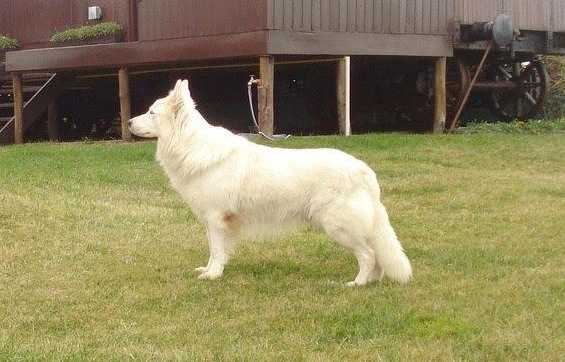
258 35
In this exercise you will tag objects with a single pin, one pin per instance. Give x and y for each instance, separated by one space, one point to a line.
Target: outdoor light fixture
94 13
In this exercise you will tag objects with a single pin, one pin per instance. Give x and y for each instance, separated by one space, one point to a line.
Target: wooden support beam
344 96
53 121
266 95
125 102
440 110
18 108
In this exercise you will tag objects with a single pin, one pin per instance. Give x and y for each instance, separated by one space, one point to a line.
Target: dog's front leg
218 242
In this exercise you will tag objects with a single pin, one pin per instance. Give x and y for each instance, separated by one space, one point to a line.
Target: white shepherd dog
239 189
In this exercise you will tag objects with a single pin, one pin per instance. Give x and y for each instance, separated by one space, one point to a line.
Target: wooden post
18 108
53 122
344 96
266 95
440 112
125 103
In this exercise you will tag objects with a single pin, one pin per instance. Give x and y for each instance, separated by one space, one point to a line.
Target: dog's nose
130 122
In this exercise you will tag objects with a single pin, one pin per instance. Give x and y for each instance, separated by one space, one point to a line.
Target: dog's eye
151 113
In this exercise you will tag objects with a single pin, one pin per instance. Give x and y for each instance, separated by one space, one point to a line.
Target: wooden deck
232 47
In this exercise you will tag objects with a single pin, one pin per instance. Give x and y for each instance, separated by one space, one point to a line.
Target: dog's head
165 114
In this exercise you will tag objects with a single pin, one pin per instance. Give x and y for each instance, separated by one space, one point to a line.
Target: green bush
555 101
8 43
517 127
87 32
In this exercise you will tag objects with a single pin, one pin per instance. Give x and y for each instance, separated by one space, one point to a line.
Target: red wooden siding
173 19
158 19
361 16
33 22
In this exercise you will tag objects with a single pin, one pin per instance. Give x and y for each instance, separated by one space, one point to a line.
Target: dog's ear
185 94
177 87
181 95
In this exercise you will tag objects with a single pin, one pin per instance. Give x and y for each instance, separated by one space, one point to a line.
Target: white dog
239 189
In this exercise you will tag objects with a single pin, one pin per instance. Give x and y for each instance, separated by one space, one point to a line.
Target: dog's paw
208 275
354 284
202 269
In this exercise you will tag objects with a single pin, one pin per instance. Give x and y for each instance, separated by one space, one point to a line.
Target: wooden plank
410 25
434 15
458 10
125 102
18 108
419 17
297 15
369 15
351 15
334 15
360 16
386 14
378 16
132 32
395 15
279 14
403 14
343 6
451 11
139 53
282 42
343 88
440 109
316 15
558 18
271 14
325 15
266 94
426 16
288 15
53 121
306 15
442 17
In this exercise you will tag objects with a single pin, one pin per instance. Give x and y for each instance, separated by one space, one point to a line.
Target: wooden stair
39 89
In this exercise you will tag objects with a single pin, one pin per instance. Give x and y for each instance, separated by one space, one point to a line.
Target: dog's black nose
129 122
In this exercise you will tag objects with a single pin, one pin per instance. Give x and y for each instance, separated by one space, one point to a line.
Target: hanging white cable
250 84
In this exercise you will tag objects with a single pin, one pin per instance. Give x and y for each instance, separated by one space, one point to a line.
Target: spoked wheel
526 100
458 79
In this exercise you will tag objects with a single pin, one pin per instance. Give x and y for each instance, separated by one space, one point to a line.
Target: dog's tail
390 254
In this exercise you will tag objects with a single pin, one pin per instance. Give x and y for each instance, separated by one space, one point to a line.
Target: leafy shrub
555 101
87 32
8 43
525 127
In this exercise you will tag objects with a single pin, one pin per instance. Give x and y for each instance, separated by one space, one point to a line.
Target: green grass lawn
97 253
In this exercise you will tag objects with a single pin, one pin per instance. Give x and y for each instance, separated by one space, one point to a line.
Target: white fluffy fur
241 189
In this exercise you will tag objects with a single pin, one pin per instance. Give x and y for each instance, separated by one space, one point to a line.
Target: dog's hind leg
346 234
348 220
378 273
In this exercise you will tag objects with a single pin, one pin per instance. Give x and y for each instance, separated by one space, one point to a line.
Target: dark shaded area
388 94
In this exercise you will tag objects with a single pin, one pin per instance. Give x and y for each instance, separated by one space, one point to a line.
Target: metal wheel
458 79
527 99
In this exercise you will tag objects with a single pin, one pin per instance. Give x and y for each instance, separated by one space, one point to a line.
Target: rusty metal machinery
515 84
501 31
